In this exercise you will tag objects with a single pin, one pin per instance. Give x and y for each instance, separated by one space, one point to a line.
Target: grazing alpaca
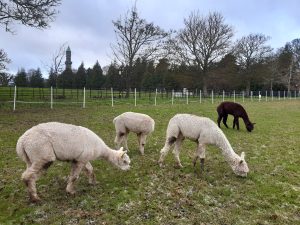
41 145
138 123
237 111
203 131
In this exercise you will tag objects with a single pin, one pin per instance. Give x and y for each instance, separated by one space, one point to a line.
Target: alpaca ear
242 157
122 152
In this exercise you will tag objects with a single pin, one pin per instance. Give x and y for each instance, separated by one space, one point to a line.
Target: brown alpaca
237 111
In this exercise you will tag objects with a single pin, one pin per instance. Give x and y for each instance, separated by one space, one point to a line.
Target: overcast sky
86 25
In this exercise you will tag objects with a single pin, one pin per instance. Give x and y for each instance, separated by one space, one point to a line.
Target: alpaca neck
227 151
246 118
106 153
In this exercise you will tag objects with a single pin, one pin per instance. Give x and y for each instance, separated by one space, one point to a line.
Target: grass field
147 194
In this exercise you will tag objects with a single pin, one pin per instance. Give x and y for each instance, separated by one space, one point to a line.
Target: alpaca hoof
178 166
93 183
72 193
34 199
161 165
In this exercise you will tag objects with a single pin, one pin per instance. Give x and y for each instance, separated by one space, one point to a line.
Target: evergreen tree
35 78
65 80
52 78
98 78
89 78
139 69
113 78
80 77
21 78
224 75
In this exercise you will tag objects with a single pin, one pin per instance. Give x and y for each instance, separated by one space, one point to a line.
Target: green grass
149 195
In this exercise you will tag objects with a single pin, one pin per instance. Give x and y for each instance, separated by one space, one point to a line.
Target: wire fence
82 97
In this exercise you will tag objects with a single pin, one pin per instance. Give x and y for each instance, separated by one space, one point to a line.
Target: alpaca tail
115 119
21 151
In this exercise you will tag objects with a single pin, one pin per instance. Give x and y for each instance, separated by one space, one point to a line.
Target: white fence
186 96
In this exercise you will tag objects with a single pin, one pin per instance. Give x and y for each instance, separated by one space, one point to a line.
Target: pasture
147 194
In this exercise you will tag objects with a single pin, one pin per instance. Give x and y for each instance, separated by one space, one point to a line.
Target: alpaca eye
125 161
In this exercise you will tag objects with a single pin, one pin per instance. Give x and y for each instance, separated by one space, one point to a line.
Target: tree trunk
248 85
289 81
205 94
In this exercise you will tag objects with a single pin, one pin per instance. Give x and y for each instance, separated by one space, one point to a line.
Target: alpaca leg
142 141
200 153
225 116
119 139
88 169
176 151
124 140
29 177
237 123
168 144
75 171
219 120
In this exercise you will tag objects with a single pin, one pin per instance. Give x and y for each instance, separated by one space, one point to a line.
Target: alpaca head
241 167
123 160
250 126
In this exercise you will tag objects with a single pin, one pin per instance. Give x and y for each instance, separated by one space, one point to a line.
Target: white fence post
259 96
200 96
243 96
134 96
51 98
223 95
251 93
295 94
83 104
187 96
272 95
15 97
266 95
155 96
112 97
212 96
278 95
234 96
284 95
172 96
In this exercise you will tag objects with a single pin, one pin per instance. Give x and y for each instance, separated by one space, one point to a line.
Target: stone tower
68 59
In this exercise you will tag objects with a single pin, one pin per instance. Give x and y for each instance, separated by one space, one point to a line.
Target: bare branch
3 60
136 39
33 13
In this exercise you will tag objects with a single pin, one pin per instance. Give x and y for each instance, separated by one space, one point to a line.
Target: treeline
273 73
201 55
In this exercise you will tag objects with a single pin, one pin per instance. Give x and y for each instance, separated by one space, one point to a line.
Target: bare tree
295 47
3 60
5 78
201 42
33 13
249 51
288 63
56 66
136 38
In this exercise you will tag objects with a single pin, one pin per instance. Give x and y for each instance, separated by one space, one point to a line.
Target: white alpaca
41 145
203 131
139 123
